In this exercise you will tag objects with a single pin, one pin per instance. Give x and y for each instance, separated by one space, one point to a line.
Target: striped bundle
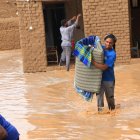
89 78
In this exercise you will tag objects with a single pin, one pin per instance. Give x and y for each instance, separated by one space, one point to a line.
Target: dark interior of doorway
53 14
135 30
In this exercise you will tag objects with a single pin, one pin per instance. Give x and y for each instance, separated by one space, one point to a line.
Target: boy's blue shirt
109 60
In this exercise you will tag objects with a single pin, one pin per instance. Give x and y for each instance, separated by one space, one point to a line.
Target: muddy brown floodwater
45 106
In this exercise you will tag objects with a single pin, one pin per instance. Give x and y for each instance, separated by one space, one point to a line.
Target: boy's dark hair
63 22
112 37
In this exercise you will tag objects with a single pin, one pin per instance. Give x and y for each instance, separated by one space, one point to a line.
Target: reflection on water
44 106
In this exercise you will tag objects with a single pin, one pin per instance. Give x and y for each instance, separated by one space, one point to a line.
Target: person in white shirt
66 30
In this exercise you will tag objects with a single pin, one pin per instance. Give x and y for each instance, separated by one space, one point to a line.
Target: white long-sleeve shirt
67 34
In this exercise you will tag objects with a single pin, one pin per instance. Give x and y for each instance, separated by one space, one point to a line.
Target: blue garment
88 96
91 40
11 130
109 60
83 49
83 53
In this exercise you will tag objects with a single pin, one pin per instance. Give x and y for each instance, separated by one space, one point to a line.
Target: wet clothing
108 80
107 87
87 95
66 37
12 132
109 60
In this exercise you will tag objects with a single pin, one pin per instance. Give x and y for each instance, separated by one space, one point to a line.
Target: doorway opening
53 14
135 30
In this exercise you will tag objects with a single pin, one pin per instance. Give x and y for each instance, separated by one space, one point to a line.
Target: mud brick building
39 23
9 25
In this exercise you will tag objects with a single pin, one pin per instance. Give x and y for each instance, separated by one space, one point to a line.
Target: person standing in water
108 77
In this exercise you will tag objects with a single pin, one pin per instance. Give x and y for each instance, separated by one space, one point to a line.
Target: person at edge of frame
7 130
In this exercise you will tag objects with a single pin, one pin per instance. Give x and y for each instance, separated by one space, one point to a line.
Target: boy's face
109 43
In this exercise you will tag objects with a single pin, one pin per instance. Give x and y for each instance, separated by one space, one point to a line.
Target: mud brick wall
74 7
109 16
99 17
32 36
9 25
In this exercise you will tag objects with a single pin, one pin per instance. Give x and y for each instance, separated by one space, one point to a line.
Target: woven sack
89 78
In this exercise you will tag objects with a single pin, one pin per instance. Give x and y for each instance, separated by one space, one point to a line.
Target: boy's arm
70 22
75 23
77 19
100 66
74 20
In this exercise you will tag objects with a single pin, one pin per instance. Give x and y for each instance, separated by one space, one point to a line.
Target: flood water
45 106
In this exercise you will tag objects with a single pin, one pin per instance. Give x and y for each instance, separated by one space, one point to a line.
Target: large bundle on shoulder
87 76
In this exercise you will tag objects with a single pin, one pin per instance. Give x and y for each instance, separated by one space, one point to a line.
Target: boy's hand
79 15
94 62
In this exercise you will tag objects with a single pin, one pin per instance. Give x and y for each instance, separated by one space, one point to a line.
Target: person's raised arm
75 23
77 19
70 21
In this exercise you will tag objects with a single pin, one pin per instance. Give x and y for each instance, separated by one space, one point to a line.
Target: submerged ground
45 106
